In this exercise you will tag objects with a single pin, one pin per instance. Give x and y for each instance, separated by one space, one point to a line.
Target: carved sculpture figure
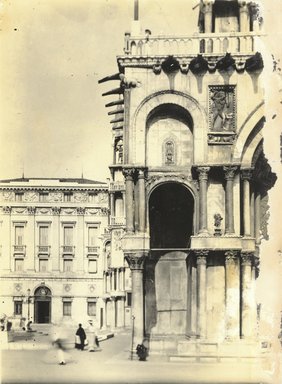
222 115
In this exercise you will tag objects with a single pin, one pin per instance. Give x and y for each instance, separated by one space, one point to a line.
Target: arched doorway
42 305
171 211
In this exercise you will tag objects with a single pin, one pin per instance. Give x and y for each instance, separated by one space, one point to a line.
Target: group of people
82 340
59 340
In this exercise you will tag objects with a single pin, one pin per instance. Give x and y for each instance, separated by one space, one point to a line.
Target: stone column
201 255
112 203
142 200
229 213
252 213
232 295
129 188
203 181
244 16
257 217
135 263
208 7
246 177
247 299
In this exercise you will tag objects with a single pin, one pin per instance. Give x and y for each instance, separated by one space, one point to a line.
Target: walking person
82 336
92 337
59 342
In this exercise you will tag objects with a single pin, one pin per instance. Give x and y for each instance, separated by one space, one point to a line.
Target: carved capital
229 171
135 262
246 174
128 173
231 257
247 258
56 210
243 4
201 255
203 173
7 210
141 172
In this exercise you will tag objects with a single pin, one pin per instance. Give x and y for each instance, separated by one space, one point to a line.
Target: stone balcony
117 221
201 43
19 250
92 250
43 249
68 250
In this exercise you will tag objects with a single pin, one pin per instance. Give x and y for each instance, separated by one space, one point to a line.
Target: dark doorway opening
42 305
171 209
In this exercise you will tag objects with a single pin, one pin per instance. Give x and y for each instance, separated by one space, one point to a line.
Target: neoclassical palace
188 122
56 254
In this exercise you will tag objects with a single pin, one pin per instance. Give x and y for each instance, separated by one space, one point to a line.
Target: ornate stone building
53 249
188 145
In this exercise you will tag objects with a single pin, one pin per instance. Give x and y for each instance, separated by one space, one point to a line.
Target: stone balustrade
117 186
44 249
19 249
210 43
115 220
68 249
92 249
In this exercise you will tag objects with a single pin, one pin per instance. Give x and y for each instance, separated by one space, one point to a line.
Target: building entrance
42 305
171 209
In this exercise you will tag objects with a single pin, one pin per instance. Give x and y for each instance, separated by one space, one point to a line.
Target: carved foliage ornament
135 262
231 257
203 173
230 171
247 258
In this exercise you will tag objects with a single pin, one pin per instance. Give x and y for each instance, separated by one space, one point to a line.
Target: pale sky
53 117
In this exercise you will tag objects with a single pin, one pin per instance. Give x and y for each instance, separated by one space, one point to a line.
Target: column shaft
246 176
247 315
142 202
203 180
244 16
136 265
208 15
201 293
129 188
112 204
229 211
232 295
252 213
257 217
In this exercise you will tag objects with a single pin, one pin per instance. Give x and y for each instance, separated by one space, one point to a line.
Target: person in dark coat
82 336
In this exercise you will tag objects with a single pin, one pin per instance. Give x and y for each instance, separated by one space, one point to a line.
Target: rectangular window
18 265
68 236
66 308
18 307
92 236
92 266
43 235
43 265
43 197
19 231
19 196
67 197
91 308
128 298
68 265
